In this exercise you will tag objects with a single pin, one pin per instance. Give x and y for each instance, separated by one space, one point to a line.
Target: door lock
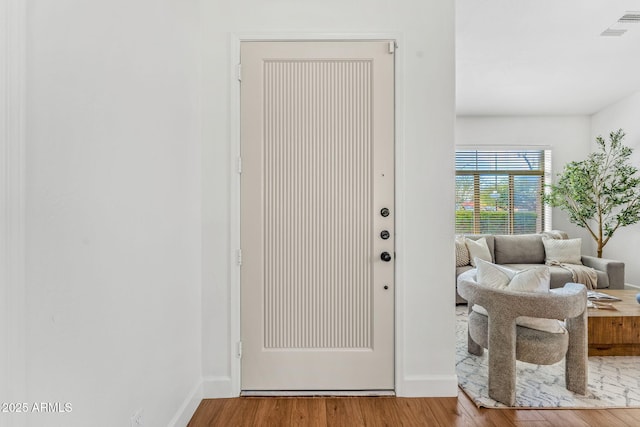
385 256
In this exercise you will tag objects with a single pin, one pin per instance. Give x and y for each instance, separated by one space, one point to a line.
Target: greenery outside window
500 191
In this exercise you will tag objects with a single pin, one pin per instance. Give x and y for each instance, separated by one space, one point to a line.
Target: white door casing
317 147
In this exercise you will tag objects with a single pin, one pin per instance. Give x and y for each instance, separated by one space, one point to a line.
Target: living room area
554 85
557 83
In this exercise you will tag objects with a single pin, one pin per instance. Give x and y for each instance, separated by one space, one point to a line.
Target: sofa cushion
603 279
519 249
563 251
560 276
478 249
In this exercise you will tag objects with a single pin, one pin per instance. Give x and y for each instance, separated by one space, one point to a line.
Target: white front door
317 215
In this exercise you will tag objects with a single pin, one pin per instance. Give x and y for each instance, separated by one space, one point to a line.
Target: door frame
234 190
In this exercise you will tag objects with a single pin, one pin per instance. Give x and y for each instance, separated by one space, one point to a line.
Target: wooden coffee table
615 332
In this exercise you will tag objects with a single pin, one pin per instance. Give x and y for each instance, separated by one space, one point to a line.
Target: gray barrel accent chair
506 342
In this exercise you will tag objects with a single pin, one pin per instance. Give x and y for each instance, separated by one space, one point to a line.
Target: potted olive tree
600 193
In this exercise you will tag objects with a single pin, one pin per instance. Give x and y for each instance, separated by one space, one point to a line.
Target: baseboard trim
217 388
428 386
630 287
314 393
188 407
206 388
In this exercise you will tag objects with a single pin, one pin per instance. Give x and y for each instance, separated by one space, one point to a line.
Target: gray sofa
522 251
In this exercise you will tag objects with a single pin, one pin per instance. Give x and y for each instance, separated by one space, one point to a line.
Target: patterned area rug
614 382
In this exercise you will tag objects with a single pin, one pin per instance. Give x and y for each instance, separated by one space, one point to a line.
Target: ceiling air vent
630 18
609 32
618 28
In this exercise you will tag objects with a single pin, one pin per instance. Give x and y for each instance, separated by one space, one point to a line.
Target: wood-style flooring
394 411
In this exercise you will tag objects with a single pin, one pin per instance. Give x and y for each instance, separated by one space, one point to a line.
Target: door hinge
239 71
239 349
239 257
239 165
392 47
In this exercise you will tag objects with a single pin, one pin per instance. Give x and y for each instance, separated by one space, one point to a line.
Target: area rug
614 382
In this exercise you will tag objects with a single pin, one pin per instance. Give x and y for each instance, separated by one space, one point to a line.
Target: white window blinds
500 191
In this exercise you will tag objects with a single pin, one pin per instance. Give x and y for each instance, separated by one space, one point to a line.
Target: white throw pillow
562 251
554 234
478 249
462 253
534 279
492 275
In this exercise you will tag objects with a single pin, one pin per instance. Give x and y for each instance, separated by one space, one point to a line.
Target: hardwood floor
392 411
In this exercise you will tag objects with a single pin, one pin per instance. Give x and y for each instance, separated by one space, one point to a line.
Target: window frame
543 220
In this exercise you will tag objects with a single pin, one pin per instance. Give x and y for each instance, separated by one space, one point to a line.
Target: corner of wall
188 407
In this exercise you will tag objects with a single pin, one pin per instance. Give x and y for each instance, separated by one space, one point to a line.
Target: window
499 191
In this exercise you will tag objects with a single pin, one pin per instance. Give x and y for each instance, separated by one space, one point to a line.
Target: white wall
113 209
129 228
426 113
12 143
568 137
622 115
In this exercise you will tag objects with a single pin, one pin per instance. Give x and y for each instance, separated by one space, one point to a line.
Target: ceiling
543 57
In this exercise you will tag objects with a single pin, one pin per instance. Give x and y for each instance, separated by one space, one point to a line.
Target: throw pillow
562 251
492 275
462 253
478 249
535 279
554 234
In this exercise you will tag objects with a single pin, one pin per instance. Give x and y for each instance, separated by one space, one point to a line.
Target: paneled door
317 215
